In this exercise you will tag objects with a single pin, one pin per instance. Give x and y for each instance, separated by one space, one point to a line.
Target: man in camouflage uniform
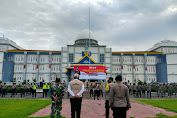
175 89
164 89
160 91
56 94
0 89
170 87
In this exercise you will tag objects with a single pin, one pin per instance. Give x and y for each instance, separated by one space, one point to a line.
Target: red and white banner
90 72
24 67
37 67
122 69
133 68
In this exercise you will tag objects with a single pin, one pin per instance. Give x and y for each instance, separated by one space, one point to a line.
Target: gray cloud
123 25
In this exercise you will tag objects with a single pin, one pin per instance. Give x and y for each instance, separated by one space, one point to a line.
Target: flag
24 67
107 87
49 67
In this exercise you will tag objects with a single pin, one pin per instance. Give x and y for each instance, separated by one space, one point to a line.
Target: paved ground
96 109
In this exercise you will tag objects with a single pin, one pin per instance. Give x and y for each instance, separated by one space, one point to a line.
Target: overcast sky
124 25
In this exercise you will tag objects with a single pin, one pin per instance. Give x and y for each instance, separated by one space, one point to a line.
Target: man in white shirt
76 88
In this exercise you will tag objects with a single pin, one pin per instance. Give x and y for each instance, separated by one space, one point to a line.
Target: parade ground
39 107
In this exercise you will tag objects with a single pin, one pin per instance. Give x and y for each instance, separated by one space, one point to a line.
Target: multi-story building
20 65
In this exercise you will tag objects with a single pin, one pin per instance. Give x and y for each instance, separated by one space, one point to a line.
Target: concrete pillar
122 64
37 72
133 64
145 67
25 65
50 64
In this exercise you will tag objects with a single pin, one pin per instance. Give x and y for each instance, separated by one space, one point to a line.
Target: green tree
34 80
140 82
24 81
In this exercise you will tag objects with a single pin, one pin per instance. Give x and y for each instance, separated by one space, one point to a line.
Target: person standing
13 90
111 84
138 88
34 90
144 89
175 89
164 89
87 86
160 91
28 89
31 89
170 87
76 88
97 91
4 90
119 99
0 88
56 94
44 89
91 90
149 90
134 89
101 90
22 89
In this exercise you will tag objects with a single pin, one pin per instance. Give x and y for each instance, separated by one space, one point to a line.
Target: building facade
45 66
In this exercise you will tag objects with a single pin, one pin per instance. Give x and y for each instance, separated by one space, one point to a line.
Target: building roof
4 40
34 51
85 35
164 43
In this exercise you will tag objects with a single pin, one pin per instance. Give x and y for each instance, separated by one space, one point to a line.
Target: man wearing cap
119 100
76 88
56 94
111 84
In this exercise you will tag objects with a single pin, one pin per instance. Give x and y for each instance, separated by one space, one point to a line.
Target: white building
170 49
42 65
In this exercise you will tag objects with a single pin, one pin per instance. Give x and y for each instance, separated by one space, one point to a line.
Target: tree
140 82
34 80
24 81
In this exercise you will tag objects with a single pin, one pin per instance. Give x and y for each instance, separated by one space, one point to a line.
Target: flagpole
89 36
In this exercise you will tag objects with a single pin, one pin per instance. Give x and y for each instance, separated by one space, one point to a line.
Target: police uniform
143 89
119 99
44 90
4 90
149 91
34 90
58 92
107 98
28 89
31 88
139 88
13 90
22 90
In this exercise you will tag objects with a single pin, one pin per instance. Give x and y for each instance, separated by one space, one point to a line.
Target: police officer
134 89
160 91
31 88
111 84
138 88
34 90
22 89
76 88
97 91
144 89
149 90
4 90
28 89
119 99
44 89
56 94
13 90
170 87
48 87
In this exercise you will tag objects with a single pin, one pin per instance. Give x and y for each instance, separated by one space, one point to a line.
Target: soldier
22 89
0 88
13 89
48 87
34 90
149 90
164 90
4 90
175 89
144 89
111 84
56 94
157 89
160 91
170 87
138 88
28 89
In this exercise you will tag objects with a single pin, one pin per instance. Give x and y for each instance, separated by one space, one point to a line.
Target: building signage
90 72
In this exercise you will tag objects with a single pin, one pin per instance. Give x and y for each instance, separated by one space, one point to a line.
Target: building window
101 58
70 57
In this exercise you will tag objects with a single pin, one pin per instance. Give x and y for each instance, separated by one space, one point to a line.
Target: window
101 58
70 57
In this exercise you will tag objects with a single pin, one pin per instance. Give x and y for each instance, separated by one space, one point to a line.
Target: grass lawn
164 116
168 104
21 108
